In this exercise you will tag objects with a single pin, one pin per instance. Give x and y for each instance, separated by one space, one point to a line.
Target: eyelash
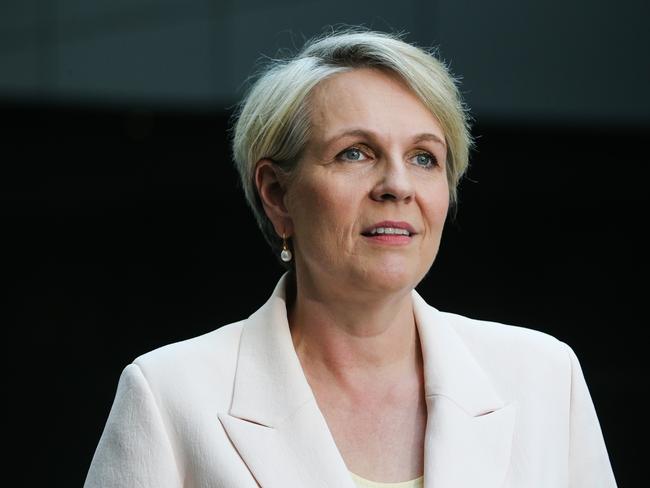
434 160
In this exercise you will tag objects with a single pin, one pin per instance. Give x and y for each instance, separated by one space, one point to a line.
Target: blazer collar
282 436
450 369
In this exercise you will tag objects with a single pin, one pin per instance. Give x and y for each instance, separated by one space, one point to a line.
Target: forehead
371 99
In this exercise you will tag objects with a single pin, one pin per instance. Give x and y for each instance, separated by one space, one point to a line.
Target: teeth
390 230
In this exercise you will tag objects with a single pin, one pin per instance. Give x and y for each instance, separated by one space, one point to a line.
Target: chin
392 276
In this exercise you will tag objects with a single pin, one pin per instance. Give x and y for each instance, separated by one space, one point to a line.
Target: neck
354 340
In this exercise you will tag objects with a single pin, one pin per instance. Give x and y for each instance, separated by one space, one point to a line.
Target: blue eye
425 160
352 154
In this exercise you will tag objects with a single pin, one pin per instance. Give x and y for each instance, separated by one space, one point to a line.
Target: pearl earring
285 255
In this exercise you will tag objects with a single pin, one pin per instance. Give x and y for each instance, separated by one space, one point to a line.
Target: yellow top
364 483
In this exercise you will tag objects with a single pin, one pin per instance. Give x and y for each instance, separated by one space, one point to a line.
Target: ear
271 188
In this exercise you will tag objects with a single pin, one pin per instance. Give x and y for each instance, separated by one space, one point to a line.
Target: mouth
378 231
389 228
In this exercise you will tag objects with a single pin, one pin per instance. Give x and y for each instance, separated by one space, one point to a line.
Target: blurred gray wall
578 61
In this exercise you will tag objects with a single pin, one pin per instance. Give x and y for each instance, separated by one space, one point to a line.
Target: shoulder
211 345
210 357
514 356
492 335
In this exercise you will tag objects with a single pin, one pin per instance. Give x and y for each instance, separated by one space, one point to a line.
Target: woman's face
370 197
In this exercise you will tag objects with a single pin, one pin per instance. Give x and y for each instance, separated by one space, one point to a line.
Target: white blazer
507 407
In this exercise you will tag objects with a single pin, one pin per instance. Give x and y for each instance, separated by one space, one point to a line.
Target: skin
352 320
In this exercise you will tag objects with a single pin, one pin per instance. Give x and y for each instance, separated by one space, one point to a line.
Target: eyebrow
424 136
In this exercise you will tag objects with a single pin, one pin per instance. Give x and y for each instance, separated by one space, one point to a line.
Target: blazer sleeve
589 465
135 448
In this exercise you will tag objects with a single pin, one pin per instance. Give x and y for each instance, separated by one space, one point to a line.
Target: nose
394 182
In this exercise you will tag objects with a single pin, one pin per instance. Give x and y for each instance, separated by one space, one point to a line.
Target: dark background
125 227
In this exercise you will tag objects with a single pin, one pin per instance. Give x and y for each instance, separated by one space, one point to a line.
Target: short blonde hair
272 121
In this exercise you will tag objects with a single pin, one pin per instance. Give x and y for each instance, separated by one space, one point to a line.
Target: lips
389 227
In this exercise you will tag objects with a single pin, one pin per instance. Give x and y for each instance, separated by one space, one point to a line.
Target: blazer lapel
274 421
276 426
469 428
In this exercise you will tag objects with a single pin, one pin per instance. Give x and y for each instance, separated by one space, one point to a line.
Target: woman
350 154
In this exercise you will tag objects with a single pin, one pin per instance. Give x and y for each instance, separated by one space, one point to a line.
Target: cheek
323 204
436 206
323 218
